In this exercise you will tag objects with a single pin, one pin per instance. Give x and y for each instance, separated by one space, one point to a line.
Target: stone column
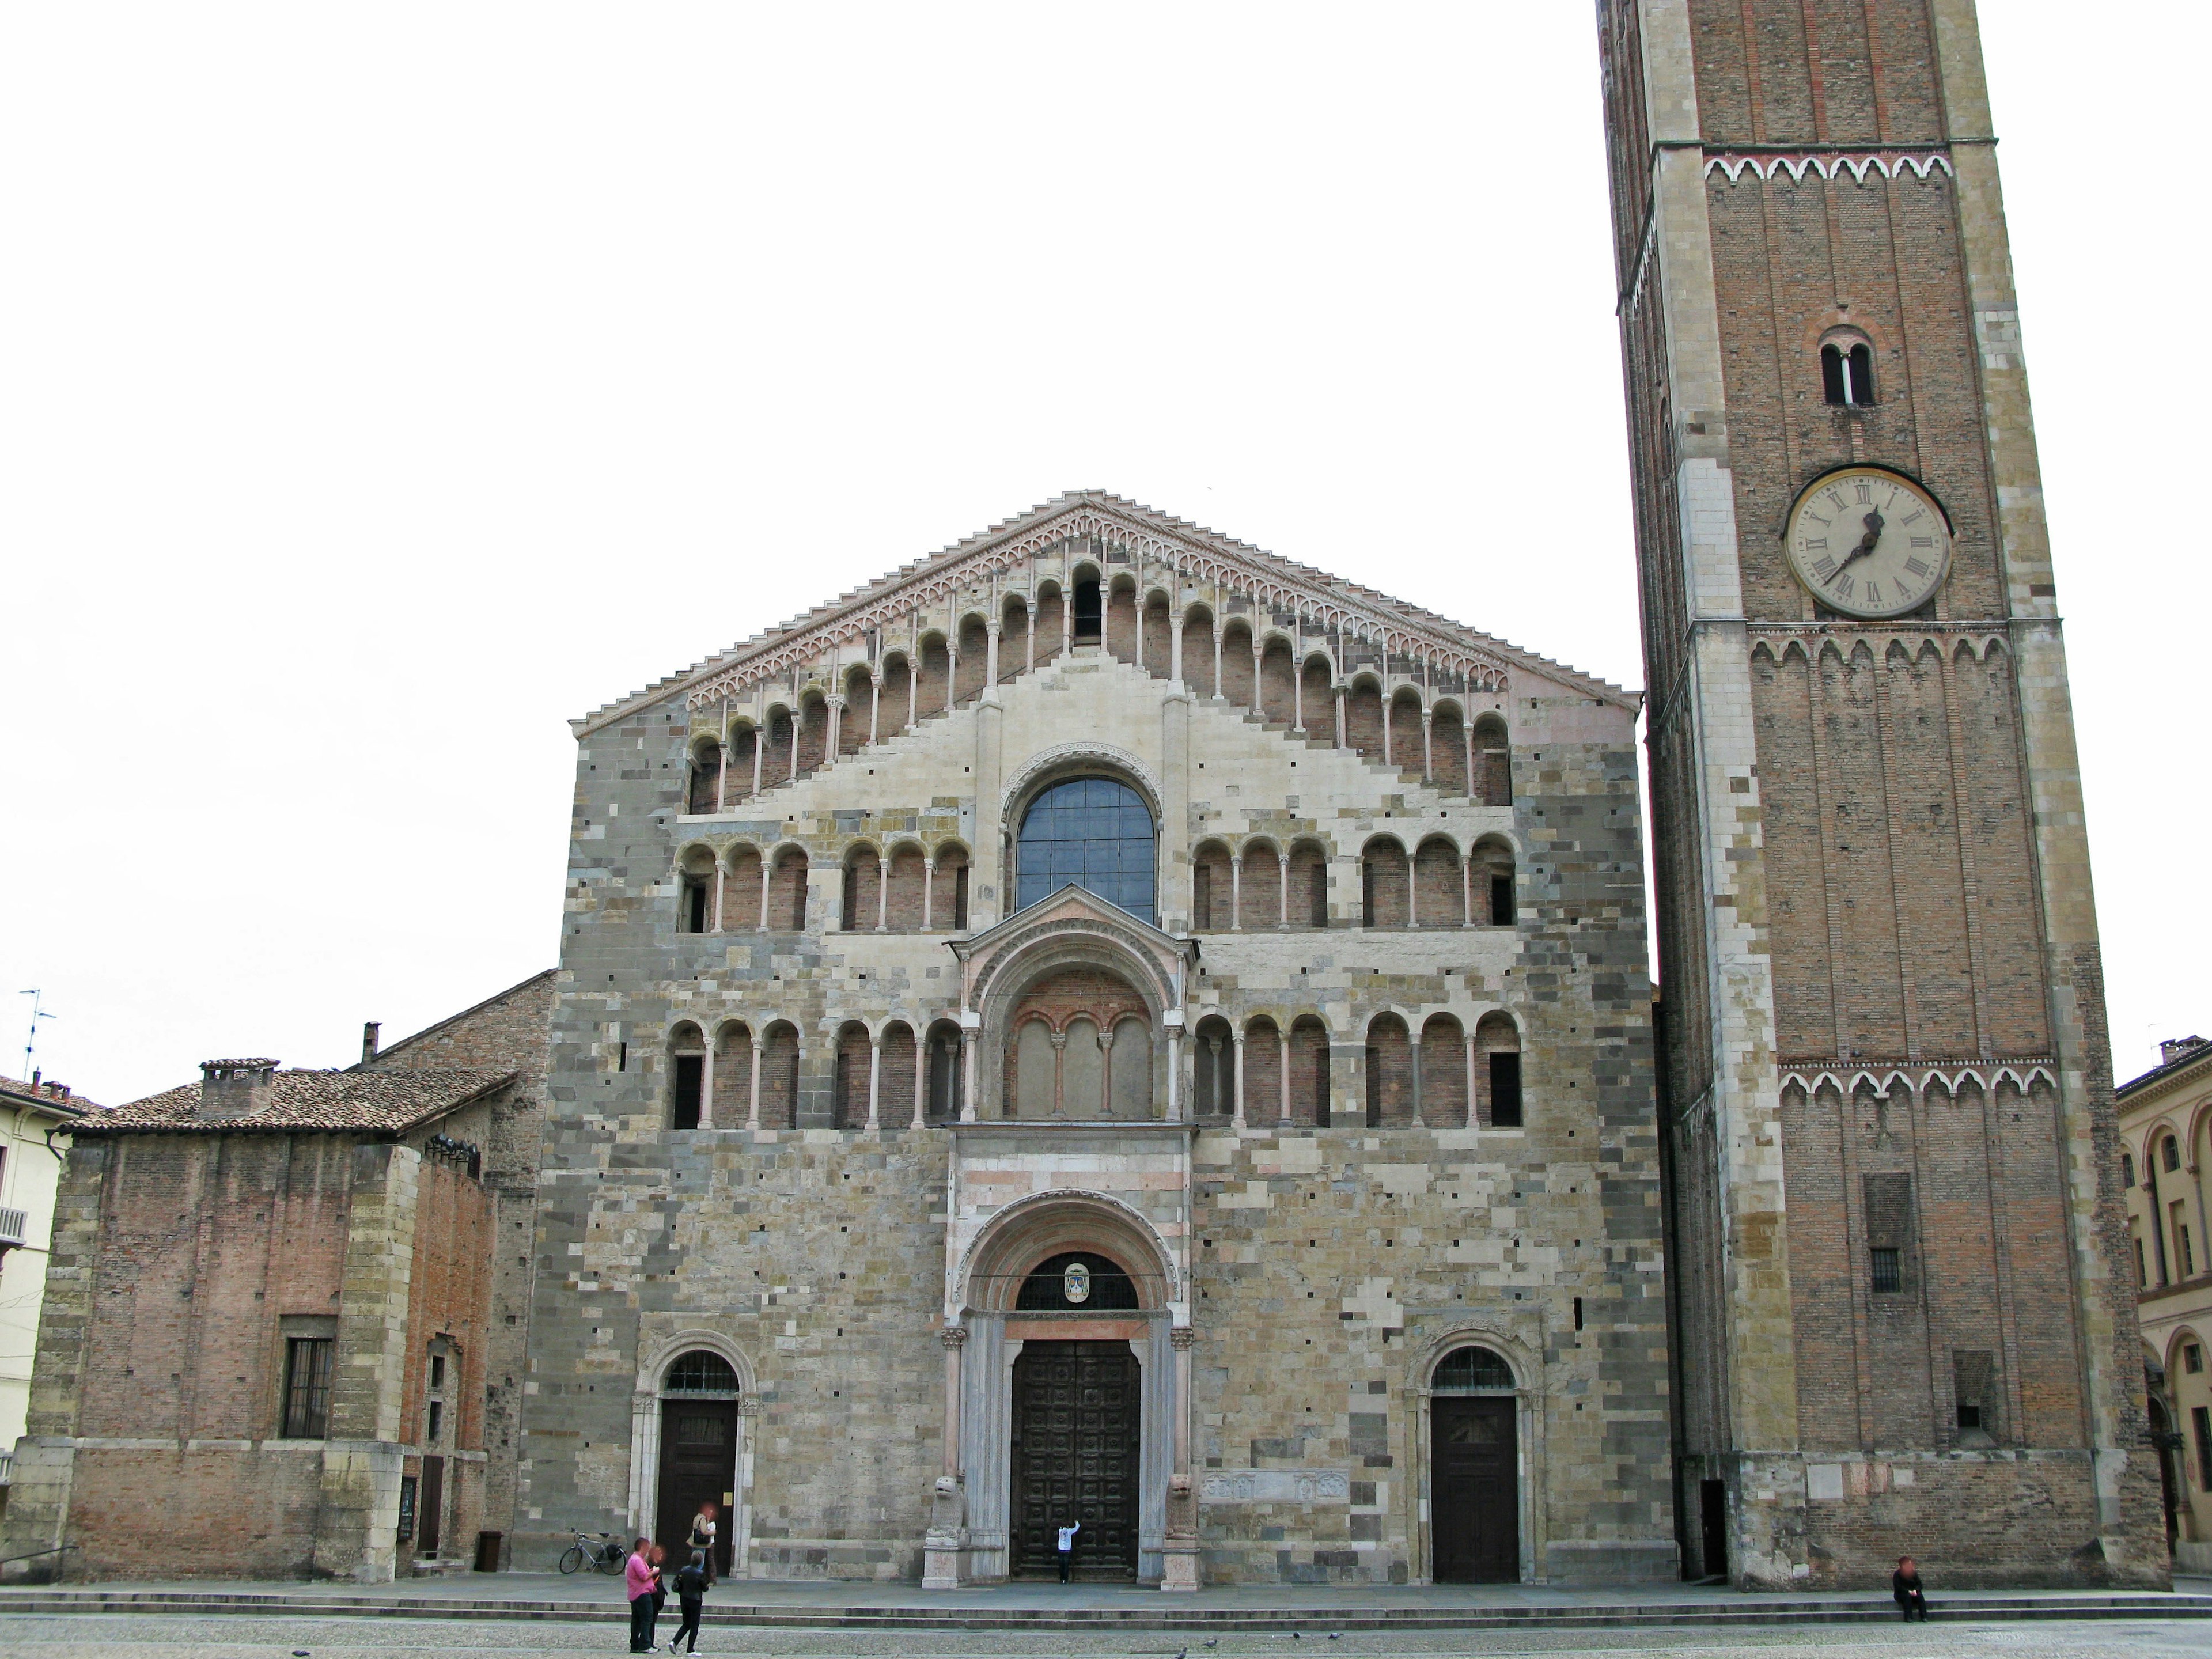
1237 892
760 752
921 1080
1415 1055
882 893
1236 1080
1179 1544
768 875
1471 1116
1389 749
875 1081
1339 690
1216 643
1428 744
752 1107
1059 1041
833 737
706 1083
928 881
1283 1034
945 1547
1467 888
1174 632
1283 892
875 699
967 1036
722 761
1173 1023
721 881
991 630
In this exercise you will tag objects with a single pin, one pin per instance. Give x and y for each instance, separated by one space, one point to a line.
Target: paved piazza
162 1635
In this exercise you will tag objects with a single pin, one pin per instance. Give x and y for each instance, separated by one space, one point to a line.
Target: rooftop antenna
31 1043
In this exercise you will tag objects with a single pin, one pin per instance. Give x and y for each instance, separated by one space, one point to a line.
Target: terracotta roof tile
374 1102
47 1096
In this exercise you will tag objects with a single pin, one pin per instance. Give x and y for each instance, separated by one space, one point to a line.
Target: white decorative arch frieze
1062 756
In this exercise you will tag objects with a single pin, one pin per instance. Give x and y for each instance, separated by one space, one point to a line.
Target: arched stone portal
1066 1371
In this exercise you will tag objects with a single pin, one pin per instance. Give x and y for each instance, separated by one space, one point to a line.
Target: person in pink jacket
640 1581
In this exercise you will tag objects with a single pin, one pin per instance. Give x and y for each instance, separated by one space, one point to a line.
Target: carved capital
954 1337
749 1405
1181 1337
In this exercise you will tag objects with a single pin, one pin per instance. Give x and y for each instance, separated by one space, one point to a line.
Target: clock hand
1867 543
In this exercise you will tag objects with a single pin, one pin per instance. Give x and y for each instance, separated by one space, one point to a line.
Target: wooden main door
698 1461
1474 1490
1075 1427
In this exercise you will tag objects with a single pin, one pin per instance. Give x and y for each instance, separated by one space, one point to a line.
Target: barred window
1888 1200
1473 1371
1888 1272
308 1388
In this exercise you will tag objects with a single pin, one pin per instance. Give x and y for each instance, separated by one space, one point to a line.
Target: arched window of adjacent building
779 1076
903 906
1847 372
1308 894
1089 611
1121 618
705 792
1385 891
787 892
696 897
1493 879
687 1076
743 750
732 1075
947 1087
1439 889
1237 664
1213 1066
1310 1071
862 910
949 891
1498 1072
1198 651
1493 760
1260 893
741 889
2169 1154
1095 833
2127 1169
1448 751
848 1098
1390 1073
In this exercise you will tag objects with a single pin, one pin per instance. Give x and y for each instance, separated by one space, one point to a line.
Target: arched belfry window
1094 832
1847 372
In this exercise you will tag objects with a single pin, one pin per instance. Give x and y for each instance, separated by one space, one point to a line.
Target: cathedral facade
1108 1026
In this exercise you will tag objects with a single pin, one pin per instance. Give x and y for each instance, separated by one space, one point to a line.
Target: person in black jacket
690 1596
1906 1586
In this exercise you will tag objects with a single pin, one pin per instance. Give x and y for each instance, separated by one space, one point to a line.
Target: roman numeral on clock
1923 541
1873 594
1825 568
1916 567
1844 584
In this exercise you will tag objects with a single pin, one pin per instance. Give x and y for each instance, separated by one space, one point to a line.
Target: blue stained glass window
1094 833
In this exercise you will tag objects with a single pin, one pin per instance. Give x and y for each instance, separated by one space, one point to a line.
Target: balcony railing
11 1227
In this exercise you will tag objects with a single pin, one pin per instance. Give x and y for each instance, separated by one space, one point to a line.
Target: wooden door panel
1075 1441
1474 1490
698 1461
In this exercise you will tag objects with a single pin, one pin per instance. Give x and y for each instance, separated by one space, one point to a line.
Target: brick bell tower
1905 1319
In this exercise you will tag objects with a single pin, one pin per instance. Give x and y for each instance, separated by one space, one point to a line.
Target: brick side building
1106 1023
281 1336
1904 1318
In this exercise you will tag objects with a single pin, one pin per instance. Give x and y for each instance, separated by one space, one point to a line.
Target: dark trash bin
487 1550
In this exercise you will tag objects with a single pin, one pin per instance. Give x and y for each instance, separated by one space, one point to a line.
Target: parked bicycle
605 1554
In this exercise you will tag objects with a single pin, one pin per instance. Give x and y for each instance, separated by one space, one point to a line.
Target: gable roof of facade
365 1102
1332 602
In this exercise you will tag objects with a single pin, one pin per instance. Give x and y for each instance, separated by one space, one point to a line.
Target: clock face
1869 543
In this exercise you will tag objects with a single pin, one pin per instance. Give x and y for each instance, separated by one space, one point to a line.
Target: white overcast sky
382 385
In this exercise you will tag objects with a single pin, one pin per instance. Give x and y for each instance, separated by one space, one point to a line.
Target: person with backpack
702 1535
691 1583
